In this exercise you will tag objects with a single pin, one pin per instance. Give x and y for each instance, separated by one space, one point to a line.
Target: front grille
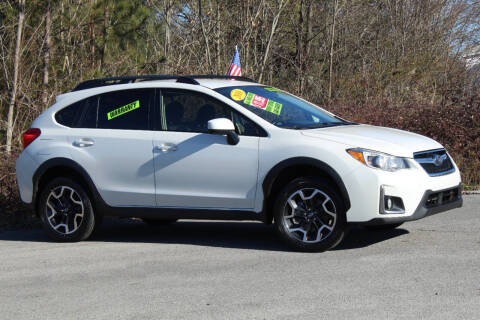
442 197
434 162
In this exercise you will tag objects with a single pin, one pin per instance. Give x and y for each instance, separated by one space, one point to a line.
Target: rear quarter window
70 115
81 114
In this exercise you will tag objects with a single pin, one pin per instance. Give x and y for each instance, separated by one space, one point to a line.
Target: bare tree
167 40
336 8
104 34
46 52
204 33
281 6
16 62
327 51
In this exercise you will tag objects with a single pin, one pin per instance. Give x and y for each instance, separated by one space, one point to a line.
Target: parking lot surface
427 269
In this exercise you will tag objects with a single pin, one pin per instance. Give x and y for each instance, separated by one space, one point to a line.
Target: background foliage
396 63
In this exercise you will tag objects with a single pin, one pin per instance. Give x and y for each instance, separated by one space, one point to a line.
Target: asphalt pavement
426 269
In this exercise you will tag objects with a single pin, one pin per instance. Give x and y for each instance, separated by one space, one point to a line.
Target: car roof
97 86
216 83
209 80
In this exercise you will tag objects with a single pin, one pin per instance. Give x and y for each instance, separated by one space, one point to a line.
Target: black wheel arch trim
269 180
62 162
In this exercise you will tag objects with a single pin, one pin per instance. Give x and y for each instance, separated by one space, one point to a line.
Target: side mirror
224 126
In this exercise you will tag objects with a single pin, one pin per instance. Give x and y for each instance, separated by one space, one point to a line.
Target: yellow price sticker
237 94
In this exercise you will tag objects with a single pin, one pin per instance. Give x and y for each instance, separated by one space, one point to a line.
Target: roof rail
129 79
151 77
216 76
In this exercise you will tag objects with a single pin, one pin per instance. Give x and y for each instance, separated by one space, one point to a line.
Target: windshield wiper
296 127
319 125
327 124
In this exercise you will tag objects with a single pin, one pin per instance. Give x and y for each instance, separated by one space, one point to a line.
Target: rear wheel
66 211
310 215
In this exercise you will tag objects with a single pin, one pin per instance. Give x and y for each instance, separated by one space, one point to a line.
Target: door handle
83 142
166 147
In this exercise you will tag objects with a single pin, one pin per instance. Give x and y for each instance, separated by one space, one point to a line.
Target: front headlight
378 160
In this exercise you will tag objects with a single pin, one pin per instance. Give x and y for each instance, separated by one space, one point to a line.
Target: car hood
392 141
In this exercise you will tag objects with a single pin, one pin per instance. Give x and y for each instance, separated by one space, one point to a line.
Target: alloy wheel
309 215
65 210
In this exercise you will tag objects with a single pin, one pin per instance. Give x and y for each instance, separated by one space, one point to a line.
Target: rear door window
127 109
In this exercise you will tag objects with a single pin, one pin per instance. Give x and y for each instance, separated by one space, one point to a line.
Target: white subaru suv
163 148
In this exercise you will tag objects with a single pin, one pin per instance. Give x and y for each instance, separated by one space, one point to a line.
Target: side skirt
180 213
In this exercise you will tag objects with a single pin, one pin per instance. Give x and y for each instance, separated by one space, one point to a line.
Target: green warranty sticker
272 89
122 110
274 107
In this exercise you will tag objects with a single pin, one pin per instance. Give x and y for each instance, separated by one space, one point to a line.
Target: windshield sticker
272 89
256 100
263 103
237 94
274 107
122 110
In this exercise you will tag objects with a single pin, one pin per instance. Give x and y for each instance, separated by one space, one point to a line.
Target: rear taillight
30 135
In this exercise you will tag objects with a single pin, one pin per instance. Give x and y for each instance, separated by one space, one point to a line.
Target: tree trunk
105 26
281 6
92 37
16 62
299 48
166 48
46 53
332 48
307 37
217 36
92 44
205 37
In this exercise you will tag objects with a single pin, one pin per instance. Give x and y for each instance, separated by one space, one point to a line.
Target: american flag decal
235 68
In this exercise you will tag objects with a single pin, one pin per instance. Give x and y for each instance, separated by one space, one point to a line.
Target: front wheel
310 215
66 211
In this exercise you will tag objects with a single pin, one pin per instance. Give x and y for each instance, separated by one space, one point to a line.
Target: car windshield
281 108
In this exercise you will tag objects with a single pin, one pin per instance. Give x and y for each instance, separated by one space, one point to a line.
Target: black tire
159 222
82 226
384 227
338 226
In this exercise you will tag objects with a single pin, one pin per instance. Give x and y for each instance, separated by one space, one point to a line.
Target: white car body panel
119 162
25 168
274 150
392 141
205 171
129 169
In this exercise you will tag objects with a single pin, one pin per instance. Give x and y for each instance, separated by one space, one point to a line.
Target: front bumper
367 187
424 209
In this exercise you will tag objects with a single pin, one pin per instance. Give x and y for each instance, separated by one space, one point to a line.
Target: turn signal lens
30 135
357 155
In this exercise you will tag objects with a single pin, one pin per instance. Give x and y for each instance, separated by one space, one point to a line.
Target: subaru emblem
438 159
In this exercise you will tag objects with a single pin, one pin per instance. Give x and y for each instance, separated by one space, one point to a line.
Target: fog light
390 204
